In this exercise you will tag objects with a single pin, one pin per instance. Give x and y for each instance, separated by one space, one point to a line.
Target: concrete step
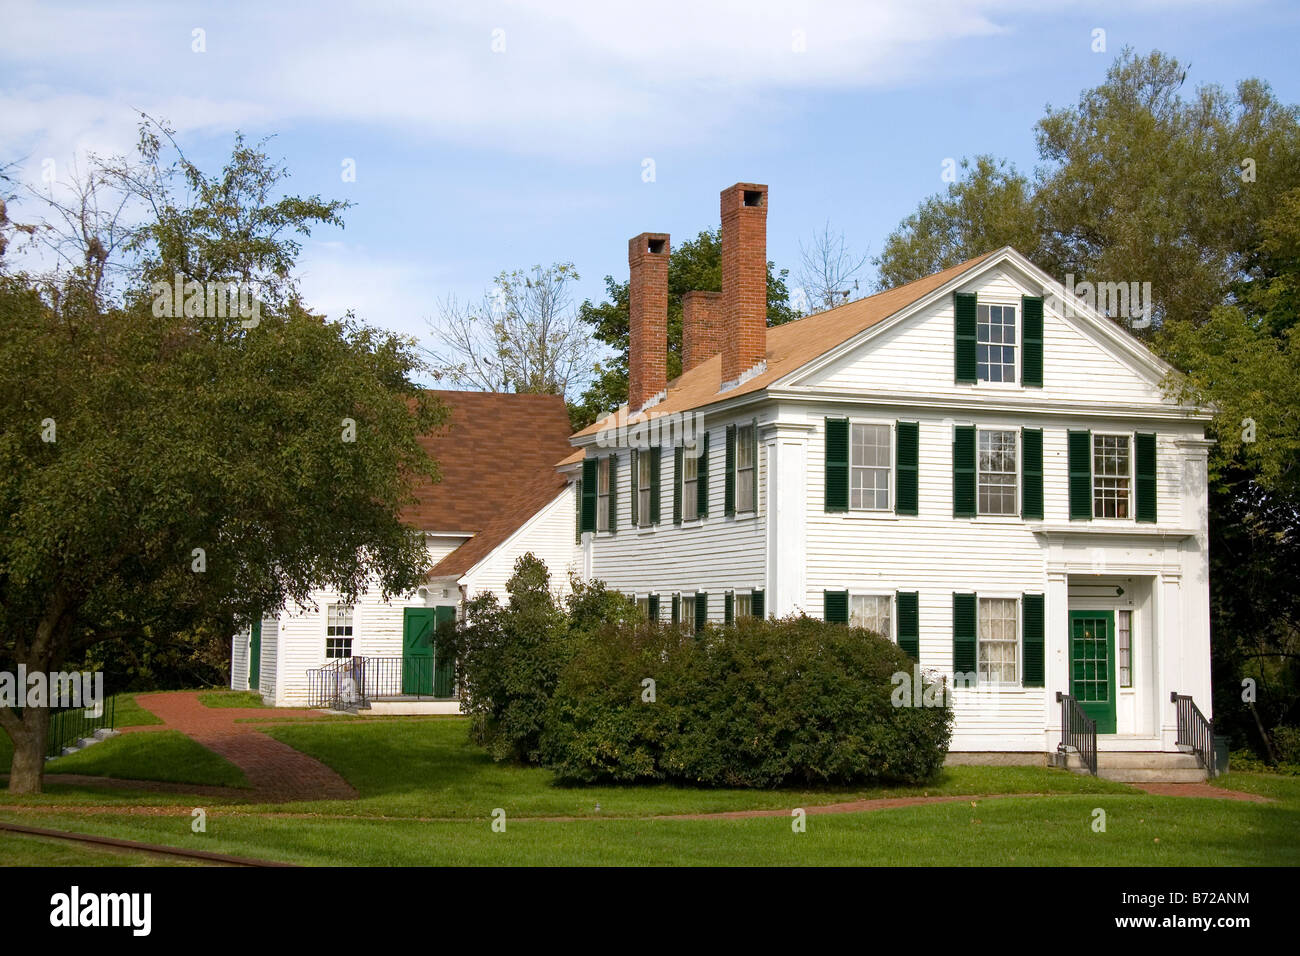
1147 761
1142 767
1149 775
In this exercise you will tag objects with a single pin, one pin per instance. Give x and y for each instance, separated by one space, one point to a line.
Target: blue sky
470 160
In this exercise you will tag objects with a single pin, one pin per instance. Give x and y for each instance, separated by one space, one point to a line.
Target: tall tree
829 271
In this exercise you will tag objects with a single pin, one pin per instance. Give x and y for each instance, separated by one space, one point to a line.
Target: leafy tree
159 469
695 264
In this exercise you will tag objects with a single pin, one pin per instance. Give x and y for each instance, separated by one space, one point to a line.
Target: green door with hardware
1092 665
444 671
417 651
255 656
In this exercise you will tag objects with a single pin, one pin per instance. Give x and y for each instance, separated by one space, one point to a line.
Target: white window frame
889 596
1017 601
1119 649
1015 472
335 612
749 484
603 500
1132 474
644 490
736 596
891 470
1018 350
690 499
687 620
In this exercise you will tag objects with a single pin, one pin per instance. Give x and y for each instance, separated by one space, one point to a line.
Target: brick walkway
278 773
1198 790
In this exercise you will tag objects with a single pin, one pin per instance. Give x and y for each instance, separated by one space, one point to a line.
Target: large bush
757 704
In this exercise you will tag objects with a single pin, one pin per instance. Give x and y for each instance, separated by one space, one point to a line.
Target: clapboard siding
270 665
715 554
548 534
239 660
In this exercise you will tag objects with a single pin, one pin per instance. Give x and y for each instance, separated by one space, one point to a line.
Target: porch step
1144 767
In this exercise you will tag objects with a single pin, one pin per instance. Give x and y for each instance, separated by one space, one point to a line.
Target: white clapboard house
978 465
499 496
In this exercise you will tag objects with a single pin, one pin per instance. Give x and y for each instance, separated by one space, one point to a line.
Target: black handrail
356 681
1078 732
75 723
1194 730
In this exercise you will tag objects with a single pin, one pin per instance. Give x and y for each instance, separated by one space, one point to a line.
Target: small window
870 465
338 631
997 473
744 605
602 495
746 462
688 613
690 487
999 640
872 611
1110 476
643 488
995 343
1124 647
643 606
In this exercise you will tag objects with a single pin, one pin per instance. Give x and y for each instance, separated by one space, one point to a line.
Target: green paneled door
1092 665
417 651
255 656
444 671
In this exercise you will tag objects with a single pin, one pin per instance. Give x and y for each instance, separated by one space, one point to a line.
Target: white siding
270 658
549 534
239 660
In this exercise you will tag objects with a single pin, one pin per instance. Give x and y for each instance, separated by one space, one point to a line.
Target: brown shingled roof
791 346
497 456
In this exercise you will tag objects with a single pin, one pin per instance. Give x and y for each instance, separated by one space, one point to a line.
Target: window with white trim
1124 647
338 630
1111 476
999 640
995 343
643 488
870 465
997 472
744 606
746 462
874 612
602 494
690 487
688 613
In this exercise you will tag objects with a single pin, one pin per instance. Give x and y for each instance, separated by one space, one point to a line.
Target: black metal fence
71 724
1078 732
1194 730
355 681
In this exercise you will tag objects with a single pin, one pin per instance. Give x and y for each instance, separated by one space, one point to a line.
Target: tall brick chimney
647 261
744 279
701 328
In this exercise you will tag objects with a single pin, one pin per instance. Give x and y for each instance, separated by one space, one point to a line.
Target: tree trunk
27 774
1268 743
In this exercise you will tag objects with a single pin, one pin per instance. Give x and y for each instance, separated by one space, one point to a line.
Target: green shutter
963 633
758 604
1080 453
1031 311
655 455
1032 611
701 610
653 602
677 609
963 325
729 479
1031 473
702 480
729 608
835 606
613 493
907 449
588 495
909 624
837 464
636 488
1144 458
678 475
963 471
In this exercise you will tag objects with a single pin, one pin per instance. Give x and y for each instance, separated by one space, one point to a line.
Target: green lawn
127 713
22 850
231 698
157 755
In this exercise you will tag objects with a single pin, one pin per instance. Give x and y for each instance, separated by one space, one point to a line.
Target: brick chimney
647 261
744 279
701 328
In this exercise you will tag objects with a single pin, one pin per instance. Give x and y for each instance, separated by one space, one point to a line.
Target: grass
160 755
127 713
231 698
24 850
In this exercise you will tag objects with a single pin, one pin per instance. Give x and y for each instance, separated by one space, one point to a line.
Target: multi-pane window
688 613
870 464
338 631
1124 647
602 495
643 488
999 640
690 486
995 343
1110 476
746 462
872 611
643 606
997 473
744 605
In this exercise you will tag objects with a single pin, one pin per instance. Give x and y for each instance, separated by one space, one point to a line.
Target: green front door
417 651
1092 665
444 673
255 656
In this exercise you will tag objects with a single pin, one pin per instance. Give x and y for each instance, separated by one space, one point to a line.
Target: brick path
1198 790
278 773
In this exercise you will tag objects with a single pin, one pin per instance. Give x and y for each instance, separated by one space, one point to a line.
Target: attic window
753 197
656 247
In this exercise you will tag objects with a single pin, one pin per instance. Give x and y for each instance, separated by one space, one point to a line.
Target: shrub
757 704
1286 741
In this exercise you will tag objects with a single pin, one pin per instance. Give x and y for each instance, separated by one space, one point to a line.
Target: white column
1174 666
787 516
1056 651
